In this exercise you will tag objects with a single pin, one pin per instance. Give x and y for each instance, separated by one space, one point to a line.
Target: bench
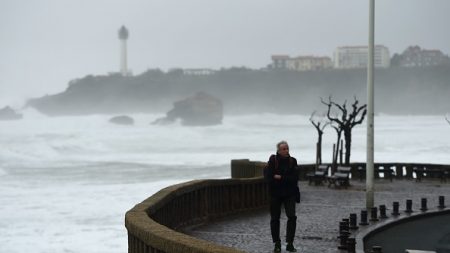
319 175
387 172
341 177
421 172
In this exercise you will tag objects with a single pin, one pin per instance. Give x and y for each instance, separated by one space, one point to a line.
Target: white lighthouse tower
123 36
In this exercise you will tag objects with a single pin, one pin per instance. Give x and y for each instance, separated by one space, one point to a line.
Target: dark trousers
275 212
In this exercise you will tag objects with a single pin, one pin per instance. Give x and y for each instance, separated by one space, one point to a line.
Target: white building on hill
301 63
354 57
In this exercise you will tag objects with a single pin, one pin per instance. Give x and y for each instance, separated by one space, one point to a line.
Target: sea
67 182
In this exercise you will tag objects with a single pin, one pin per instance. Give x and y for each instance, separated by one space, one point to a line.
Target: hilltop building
279 61
199 72
300 63
414 56
354 57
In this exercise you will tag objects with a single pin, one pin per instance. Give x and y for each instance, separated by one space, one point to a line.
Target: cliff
398 91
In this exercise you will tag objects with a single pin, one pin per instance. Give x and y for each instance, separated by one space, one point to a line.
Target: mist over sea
66 182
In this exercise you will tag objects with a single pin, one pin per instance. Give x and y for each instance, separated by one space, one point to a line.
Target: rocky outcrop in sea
7 113
122 120
201 109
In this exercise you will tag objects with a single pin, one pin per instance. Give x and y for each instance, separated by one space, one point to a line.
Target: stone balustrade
154 224
245 168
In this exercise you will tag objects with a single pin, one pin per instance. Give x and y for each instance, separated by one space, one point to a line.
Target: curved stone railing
152 224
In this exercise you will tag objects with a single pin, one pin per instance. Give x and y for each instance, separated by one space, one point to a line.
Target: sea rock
201 109
7 113
122 120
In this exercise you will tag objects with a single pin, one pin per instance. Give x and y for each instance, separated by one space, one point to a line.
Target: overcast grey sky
46 43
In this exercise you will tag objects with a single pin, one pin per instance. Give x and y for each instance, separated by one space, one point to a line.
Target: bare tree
338 144
349 118
320 125
448 120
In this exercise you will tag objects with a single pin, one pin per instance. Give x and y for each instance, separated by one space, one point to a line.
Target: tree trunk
336 151
317 156
348 144
319 148
333 164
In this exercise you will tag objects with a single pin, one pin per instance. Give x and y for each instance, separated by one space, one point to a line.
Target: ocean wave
66 140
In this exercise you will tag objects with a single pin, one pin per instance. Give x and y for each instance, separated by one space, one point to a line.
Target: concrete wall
152 225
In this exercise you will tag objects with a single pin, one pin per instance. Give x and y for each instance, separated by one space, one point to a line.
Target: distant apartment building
414 56
354 57
199 72
279 61
301 63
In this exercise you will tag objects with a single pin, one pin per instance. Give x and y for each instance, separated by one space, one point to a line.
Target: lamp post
370 110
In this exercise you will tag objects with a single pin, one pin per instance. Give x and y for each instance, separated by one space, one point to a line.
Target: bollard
408 206
383 212
343 226
423 203
377 249
343 242
363 218
347 222
441 202
374 214
395 207
351 245
353 221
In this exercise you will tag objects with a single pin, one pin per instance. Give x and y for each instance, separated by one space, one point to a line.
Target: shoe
290 248
277 247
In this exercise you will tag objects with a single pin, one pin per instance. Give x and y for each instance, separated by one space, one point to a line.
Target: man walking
282 176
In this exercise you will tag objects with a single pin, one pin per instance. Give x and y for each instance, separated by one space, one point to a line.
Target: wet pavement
318 215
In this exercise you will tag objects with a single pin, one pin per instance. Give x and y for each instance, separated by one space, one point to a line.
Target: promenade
318 215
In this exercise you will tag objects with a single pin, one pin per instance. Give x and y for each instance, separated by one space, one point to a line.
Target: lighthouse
123 36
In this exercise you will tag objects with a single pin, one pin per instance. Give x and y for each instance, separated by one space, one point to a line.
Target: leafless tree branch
318 123
329 105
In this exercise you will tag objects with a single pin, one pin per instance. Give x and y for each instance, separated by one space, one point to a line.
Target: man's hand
278 177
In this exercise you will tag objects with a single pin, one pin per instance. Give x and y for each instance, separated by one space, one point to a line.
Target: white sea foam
68 181
2 172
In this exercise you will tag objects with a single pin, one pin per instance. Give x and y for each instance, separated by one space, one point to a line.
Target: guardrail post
363 218
343 226
408 206
351 245
423 205
383 212
343 239
441 202
353 221
395 207
374 214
